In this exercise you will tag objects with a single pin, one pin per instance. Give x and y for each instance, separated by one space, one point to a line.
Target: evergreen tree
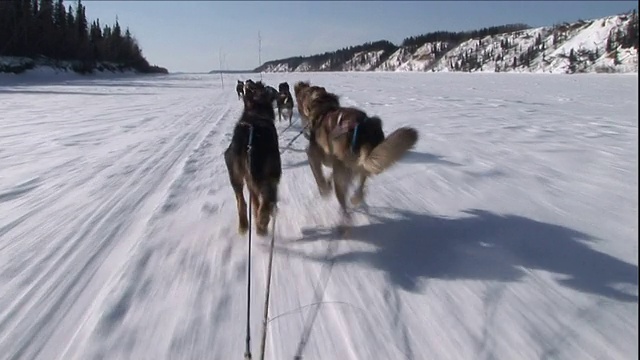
24 29
631 32
60 25
609 44
46 28
59 15
572 61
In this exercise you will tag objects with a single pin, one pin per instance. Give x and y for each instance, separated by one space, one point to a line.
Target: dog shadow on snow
416 157
481 245
412 157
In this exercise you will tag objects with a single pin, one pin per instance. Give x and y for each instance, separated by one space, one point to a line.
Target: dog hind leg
255 202
315 156
237 184
268 200
342 176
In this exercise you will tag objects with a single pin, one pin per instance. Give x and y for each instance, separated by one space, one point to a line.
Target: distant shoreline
233 72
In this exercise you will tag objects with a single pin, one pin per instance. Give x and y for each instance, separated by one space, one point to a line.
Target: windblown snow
509 232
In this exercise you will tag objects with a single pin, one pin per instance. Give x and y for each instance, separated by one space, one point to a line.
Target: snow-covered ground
509 232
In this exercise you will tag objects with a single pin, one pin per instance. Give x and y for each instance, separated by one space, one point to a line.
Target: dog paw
324 193
262 230
326 189
357 199
344 230
242 229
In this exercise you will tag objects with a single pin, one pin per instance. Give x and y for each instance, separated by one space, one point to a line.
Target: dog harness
342 128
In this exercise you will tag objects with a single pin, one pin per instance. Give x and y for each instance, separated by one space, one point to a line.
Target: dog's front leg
315 156
358 196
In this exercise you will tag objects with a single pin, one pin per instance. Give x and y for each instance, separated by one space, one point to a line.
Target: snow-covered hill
599 45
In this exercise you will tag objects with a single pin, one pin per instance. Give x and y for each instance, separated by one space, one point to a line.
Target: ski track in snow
510 231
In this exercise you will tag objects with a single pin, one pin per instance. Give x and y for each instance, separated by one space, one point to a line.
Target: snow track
130 178
510 231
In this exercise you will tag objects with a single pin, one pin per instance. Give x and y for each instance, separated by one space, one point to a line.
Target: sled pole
260 53
294 139
247 351
265 319
220 67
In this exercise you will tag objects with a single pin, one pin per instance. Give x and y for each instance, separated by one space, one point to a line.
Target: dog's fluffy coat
284 102
240 89
347 140
260 169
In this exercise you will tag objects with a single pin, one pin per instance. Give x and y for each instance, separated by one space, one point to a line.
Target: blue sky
189 36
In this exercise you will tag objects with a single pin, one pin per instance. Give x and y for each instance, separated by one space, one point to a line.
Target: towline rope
265 319
247 350
267 293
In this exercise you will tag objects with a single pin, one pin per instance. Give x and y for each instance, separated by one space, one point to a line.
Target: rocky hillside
608 44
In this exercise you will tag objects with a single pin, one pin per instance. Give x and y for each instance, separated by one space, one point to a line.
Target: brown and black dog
247 83
273 93
260 168
347 140
240 89
284 102
303 90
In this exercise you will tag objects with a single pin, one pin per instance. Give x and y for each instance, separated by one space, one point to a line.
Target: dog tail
389 151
